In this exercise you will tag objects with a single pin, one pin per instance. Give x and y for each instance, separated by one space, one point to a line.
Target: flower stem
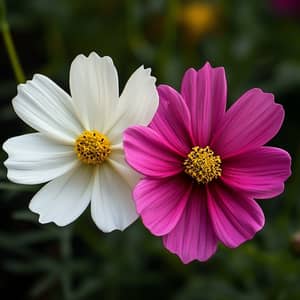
10 47
66 252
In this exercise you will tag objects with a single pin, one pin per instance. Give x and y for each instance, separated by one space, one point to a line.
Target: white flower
78 147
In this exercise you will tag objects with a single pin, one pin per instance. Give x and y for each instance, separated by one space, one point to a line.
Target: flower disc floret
92 147
203 165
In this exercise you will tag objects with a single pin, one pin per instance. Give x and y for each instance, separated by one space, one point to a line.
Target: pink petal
147 153
172 120
235 217
261 172
250 122
161 202
205 93
193 237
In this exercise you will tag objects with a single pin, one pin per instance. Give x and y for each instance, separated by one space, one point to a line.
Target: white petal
65 198
34 158
44 106
112 205
118 163
138 104
94 89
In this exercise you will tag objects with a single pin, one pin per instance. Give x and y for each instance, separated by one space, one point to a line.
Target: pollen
92 147
203 165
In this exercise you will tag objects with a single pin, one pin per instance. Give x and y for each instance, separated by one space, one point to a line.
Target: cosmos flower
78 146
203 166
197 19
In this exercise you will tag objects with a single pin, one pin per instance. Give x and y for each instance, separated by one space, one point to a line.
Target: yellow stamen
203 165
92 147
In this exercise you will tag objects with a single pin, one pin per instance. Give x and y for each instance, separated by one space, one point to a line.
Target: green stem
66 252
10 47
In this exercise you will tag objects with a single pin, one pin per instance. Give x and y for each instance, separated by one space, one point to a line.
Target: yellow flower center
92 147
203 165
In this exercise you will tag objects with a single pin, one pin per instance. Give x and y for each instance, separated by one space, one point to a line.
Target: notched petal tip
164 87
189 73
111 208
45 220
23 86
207 65
92 56
289 164
211 70
63 199
270 99
78 58
251 236
121 228
252 121
10 176
5 146
38 76
188 258
236 217
147 71
41 218
205 93
137 105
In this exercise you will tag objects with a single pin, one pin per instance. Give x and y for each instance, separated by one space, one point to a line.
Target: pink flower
203 166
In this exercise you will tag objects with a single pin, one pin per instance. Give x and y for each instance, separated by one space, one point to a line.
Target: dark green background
258 47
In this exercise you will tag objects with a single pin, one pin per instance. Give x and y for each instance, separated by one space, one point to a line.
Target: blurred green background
258 43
